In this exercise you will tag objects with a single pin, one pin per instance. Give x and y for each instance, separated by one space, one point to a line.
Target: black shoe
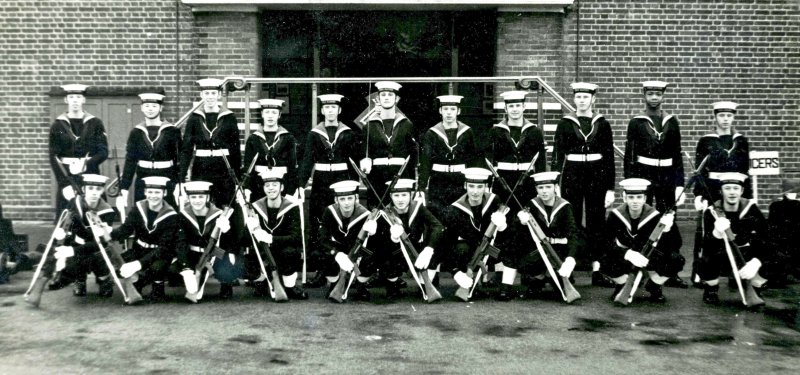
732 284
79 289
394 289
711 294
676 282
318 281
656 293
359 292
600 280
106 287
260 289
225 291
58 282
157 293
296 292
533 290
505 293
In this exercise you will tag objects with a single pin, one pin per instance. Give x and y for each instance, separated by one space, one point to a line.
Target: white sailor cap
402 185
270 103
731 178
544 178
634 185
388 86
94 179
589 88
477 175
209 84
514 96
75 88
654 85
268 174
724 106
155 182
346 187
197 187
449 100
150 97
330 99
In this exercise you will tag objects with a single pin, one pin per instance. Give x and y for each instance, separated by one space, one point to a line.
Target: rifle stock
569 293
430 290
113 260
34 293
483 250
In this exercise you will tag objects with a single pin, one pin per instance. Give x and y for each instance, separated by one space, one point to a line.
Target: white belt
584 157
449 168
155 164
70 161
558 241
654 162
388 161
506 166
260 169
330 167
196 248
145 244
207 153
79 241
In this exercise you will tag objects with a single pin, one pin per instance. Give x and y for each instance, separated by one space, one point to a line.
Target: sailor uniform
339 234
275 149
388 143
87 256
512 149
465 228
446 153
558 225
283 223
196 234
157 235
750 229
423 230
152 151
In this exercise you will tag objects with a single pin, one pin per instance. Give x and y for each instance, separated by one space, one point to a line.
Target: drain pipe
577 40
177 57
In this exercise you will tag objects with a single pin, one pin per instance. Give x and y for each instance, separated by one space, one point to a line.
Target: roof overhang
361 5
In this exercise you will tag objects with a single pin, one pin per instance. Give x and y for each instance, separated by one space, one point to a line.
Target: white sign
764 163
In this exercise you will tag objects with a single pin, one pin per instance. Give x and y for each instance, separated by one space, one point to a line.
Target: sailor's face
724 120
151 110
346 204
271 116
273 189
654 98
388 99
546 191
331 112
732 193
635 201
475 192
93 193
449 113
198 201
74 102
210 96
515 110
584 101
154 196
401 200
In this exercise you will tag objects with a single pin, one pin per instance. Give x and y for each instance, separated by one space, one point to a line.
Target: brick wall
111 44
745 51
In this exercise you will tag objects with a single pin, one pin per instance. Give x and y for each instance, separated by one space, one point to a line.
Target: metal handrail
524 82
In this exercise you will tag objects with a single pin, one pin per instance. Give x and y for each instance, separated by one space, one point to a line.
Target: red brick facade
742 51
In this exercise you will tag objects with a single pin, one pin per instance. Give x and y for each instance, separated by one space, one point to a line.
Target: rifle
113 260
339 291
276 290
208 252
429 291
568 291
34 293
119 179
746 290
486 249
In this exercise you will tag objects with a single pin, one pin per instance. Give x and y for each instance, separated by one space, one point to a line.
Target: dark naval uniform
446 153
207 137
152 151
196 234
784 220
339 234
625 233
275 149
728 153
388 143
87 256
157 236
71 139
750 229
283 223
511 152
465 228
423 230
557 223
327 155
653 152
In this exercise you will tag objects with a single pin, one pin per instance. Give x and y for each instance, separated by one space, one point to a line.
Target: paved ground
249 335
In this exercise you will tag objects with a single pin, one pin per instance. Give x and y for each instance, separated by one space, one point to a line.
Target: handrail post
314 109
246 112
540 107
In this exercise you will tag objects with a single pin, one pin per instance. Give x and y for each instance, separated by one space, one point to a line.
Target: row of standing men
583 152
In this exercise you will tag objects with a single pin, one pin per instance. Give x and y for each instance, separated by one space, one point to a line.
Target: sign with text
764 163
